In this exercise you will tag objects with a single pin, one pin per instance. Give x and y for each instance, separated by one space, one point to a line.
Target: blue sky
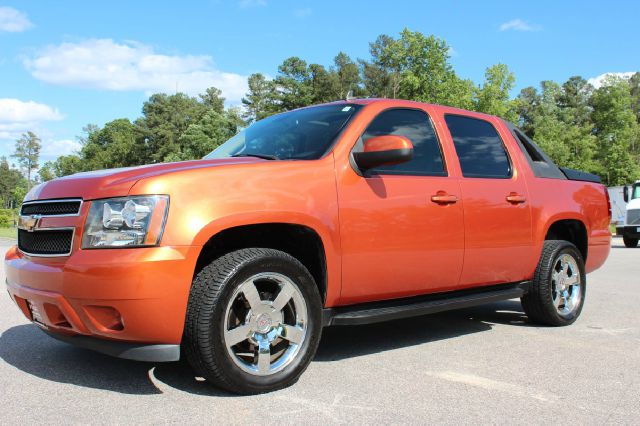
65 64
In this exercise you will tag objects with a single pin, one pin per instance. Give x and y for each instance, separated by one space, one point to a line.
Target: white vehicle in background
630 231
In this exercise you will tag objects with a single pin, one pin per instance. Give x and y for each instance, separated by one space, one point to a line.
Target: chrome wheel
265 324
566 291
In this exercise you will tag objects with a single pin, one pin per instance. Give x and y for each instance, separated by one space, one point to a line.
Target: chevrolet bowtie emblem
29 223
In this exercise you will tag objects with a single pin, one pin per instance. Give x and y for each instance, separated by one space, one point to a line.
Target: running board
368 313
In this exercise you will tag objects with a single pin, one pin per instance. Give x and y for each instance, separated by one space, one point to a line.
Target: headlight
136 221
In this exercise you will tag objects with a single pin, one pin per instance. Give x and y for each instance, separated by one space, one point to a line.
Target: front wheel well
571 230
299 241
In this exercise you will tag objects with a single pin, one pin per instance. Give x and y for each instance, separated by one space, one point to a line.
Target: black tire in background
538 302
630 242
209 301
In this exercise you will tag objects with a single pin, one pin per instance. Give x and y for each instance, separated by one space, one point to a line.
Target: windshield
636 192
304 134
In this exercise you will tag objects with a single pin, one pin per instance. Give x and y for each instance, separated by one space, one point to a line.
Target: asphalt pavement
480 365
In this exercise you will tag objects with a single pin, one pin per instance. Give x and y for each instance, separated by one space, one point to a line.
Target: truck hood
118 182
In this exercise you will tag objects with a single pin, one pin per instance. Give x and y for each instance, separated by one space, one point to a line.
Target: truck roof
402 102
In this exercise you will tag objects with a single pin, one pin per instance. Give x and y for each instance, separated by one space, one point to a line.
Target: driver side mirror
384 150
625 193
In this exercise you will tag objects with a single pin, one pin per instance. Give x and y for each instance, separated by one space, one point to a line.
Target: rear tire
556 296
630 242
253 321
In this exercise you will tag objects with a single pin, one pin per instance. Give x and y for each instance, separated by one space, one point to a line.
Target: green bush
7 218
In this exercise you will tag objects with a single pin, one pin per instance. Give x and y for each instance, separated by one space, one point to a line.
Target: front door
396 241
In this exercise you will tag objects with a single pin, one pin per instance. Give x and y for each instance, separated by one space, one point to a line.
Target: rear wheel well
299 241
570 230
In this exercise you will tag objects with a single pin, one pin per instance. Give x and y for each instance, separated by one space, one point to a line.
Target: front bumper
123 302
629 231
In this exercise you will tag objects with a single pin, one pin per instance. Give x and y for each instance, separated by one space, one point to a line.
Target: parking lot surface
480 365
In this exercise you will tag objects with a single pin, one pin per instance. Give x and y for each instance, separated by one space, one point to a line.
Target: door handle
514 198
443 198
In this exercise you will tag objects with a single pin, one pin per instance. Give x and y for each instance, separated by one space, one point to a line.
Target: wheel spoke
284 296
264 356
558 300
572 280
568 303
251 294
237 335
292 333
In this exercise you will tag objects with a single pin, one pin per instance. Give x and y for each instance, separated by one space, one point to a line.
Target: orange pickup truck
339 214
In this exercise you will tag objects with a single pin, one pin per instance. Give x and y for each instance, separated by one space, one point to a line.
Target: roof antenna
350 96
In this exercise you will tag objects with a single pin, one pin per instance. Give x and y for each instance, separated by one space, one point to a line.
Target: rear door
497 217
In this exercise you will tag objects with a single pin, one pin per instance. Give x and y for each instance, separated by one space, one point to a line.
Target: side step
368 313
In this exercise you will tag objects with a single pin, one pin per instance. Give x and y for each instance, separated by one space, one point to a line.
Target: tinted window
415 126
304 134
479 147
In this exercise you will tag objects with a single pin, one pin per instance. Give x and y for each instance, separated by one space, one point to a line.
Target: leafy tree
66 165
260 101
10 180
165 118
493 96
617 131
27 154
117 144
212 99
574 101
381 75
210 132
347 78
293 84
322 84
634 85
416 67
47 172
527 106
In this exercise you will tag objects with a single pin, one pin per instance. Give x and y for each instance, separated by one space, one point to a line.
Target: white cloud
18 117
252 3
13 21
17 111
519 25
302 13
131 66
599 80
56 148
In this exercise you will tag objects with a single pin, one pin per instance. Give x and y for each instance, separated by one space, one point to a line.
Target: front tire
556 296
630 242
253 321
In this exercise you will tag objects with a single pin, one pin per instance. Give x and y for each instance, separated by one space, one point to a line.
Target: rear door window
479 147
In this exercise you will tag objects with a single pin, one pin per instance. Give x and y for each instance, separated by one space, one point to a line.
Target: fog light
105 317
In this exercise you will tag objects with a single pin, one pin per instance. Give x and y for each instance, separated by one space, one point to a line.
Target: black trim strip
368 313
126 350
580 175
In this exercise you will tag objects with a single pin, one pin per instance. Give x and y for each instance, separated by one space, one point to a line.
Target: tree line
578 125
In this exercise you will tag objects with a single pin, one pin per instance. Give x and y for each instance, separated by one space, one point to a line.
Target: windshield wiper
263 156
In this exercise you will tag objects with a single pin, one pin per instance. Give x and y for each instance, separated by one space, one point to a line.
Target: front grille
633 217
46 243
54 208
